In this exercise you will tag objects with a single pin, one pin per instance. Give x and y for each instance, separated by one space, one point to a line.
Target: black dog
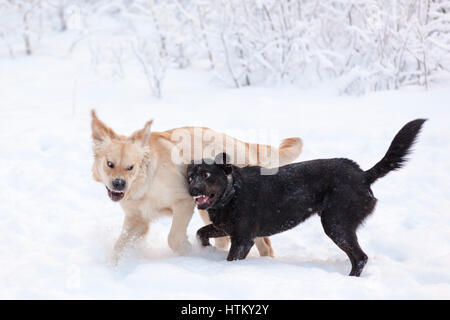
244 204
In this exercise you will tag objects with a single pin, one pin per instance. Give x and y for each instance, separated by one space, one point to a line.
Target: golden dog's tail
289 150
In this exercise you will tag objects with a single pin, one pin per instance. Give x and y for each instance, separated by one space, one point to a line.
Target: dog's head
118 160
208 180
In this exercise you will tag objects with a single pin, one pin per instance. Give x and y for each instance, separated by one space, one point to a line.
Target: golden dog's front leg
134 228
182 213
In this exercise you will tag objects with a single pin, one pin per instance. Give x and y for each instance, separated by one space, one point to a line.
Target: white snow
57 226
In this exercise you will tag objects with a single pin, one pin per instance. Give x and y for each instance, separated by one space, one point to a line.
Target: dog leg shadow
331 265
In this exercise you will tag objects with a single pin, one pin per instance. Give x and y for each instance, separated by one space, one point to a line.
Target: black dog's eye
130 168
190 178
110 164
206 175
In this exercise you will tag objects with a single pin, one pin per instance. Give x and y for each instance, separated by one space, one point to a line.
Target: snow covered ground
57 225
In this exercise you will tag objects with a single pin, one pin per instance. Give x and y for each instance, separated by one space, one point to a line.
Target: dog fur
244 204
139 173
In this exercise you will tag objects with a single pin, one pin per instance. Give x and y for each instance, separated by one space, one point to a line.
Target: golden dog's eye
130 168
110 164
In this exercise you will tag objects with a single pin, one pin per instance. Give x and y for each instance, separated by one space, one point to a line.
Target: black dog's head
208 180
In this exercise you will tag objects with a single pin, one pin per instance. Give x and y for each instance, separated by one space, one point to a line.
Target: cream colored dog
146 174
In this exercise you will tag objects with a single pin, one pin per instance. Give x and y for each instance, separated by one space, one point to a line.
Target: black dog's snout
195 191
119 184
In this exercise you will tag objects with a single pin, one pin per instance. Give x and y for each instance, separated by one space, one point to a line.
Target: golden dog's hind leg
264 247
182 213
221 242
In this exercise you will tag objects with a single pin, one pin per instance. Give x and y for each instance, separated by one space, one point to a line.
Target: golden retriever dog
146 173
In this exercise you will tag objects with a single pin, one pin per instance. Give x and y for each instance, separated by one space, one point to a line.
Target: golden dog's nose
119 184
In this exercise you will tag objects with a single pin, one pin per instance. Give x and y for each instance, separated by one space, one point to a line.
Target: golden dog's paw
112 262
180 247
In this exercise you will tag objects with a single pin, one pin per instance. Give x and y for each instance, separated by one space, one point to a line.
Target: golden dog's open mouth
115 195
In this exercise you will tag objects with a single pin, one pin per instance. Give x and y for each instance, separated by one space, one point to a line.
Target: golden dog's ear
99 130
144 134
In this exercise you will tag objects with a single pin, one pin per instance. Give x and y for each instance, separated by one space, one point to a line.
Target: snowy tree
24 20
362 45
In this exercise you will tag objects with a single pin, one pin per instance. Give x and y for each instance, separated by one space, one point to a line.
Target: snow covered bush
153 60
362 45
369 45
22 21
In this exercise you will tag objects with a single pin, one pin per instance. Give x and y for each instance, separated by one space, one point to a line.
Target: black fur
244 204
400 147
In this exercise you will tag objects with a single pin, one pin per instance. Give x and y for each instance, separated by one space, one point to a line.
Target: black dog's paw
204 241
239 249
230 258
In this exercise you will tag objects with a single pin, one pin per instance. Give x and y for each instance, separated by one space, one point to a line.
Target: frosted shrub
363 45
152 61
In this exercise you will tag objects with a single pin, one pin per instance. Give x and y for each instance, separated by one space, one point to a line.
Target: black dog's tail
400 147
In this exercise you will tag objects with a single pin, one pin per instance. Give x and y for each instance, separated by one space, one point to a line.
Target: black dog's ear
222 158
223 161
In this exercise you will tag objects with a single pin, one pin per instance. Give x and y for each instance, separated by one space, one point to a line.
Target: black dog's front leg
209 231
239 248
